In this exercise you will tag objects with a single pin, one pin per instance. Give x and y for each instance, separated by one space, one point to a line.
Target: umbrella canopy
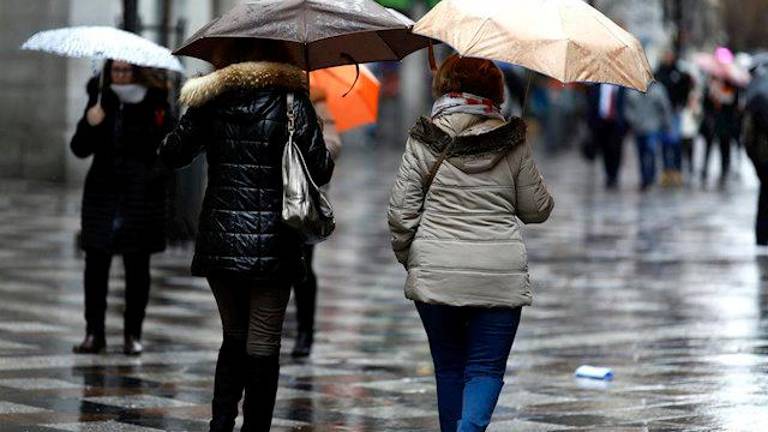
565 39
721 66
404 4
103 43
311 34
350 108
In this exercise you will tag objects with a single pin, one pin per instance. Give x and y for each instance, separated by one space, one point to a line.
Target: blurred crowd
700 102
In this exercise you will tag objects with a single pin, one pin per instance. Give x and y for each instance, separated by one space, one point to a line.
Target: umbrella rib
607 28
388 45
476 37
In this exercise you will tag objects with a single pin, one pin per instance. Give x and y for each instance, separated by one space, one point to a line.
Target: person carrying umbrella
124 201
123 211
468 183
239 115
460 238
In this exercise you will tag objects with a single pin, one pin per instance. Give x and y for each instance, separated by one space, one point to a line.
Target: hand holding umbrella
95 115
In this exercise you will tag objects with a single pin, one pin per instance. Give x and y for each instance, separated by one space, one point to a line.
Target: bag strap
436 167
291 129
291 116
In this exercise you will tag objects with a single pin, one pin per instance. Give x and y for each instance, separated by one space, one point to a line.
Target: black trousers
137 281
305 295
724 140
610 139
688 145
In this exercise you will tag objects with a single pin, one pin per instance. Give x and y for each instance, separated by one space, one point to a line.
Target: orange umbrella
360 106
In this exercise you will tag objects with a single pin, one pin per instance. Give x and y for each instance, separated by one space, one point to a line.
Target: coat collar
497 140
249 75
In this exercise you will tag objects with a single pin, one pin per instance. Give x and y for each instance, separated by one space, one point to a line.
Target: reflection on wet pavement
665 288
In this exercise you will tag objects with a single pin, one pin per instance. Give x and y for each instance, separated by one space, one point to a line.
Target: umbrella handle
527 91
357 73
432 61
101 87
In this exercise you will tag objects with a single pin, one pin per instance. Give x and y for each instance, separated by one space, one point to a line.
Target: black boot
228 385
303 346
92 344
260 393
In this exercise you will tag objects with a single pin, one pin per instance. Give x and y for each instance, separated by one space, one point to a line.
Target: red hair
469 75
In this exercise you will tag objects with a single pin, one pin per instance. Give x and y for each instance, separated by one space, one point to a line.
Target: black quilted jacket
124 200
237 116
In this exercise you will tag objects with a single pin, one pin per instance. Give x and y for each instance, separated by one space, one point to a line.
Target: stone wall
33 99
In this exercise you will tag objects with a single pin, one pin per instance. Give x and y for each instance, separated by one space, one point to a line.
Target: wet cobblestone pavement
666 288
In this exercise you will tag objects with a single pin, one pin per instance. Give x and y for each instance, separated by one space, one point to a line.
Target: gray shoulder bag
305 207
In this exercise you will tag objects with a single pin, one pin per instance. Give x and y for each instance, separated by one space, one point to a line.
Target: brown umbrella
312 34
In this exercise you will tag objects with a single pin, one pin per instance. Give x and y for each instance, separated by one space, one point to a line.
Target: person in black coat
238 116
124 200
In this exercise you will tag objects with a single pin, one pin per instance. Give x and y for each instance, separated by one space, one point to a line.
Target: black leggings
252 312
137 280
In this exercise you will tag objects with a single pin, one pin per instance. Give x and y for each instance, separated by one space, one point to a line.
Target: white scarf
466 103
129 93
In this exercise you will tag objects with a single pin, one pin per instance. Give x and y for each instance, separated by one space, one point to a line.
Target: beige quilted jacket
465 247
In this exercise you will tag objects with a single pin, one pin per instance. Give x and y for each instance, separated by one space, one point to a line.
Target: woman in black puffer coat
124 201
238 116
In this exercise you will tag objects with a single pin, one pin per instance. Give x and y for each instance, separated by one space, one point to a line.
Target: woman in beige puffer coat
460 237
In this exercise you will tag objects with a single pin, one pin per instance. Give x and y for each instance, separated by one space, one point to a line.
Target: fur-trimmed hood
253 75
477 148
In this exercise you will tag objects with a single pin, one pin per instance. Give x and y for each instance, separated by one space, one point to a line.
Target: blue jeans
671 146
470 347
646 154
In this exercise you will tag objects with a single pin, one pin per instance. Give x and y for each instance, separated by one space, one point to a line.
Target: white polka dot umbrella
103 43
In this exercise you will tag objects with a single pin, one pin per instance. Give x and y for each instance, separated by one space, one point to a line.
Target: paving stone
14 408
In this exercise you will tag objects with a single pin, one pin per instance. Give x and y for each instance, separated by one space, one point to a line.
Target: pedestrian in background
721 118
608 127
238 115
466 184
650 118
305 292
124 200
679 85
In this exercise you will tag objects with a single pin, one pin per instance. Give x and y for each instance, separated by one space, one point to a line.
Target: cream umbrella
565 39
